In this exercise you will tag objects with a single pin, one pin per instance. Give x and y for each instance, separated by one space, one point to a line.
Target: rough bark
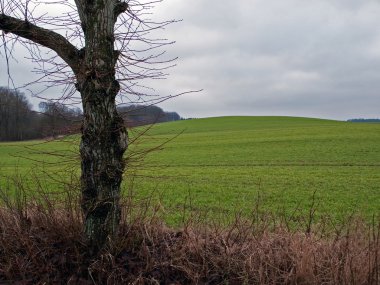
104 137
104 141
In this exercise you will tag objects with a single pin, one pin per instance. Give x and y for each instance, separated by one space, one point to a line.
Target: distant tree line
16 117
360 120
58 119
138 115
18 121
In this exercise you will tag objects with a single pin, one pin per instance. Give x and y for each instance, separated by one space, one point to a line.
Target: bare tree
58 119
102 49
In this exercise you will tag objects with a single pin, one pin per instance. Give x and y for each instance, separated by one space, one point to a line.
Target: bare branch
44 37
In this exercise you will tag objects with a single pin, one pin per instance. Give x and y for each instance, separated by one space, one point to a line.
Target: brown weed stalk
41 242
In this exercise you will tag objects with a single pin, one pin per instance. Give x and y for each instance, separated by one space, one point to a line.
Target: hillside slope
222 165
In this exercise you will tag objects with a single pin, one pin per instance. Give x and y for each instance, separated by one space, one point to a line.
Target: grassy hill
222 165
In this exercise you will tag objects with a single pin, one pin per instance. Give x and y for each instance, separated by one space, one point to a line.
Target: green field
223 165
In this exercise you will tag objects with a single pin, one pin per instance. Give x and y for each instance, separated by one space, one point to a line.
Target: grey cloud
270 57
290 57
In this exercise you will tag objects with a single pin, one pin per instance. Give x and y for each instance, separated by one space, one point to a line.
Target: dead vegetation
42 243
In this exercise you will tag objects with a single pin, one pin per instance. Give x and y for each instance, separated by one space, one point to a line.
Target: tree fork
104 136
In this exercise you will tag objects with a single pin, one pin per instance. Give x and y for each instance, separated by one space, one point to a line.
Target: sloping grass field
220 166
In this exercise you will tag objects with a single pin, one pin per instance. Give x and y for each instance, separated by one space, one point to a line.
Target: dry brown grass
42 243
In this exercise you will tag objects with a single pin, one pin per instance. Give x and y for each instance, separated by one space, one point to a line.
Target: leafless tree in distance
102 49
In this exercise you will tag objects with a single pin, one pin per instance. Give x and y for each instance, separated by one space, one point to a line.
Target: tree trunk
104 136
104 141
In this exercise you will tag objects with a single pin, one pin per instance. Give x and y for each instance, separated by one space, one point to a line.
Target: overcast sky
316 58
